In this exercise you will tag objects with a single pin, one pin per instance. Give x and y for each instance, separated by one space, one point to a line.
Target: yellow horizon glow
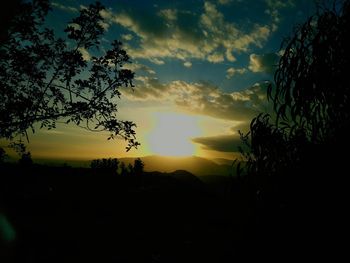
161 131
172 133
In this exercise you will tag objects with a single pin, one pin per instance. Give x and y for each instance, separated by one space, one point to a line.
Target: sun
172 134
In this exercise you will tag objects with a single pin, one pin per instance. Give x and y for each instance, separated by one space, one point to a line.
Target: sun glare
172 134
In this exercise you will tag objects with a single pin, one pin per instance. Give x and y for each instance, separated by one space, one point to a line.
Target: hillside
61 213
196 165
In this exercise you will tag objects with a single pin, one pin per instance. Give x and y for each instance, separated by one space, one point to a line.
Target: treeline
113 165
106 165
25 157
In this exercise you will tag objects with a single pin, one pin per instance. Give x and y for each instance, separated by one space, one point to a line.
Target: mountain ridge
198 166
193 164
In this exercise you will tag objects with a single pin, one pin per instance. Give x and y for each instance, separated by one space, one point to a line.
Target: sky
201 72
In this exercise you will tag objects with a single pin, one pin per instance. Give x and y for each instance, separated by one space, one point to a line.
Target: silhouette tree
130 169
138 166
294 159
110 164
25 157
3 155
310 96
6 15
123 169
45 79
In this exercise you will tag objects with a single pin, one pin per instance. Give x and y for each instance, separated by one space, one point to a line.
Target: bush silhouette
123 169
110 164
294 161
310 97
138 166
3 155
44 79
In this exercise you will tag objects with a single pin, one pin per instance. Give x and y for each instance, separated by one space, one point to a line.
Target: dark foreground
76 215
66 215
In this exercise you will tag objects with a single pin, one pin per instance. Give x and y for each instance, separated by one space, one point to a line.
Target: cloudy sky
201 71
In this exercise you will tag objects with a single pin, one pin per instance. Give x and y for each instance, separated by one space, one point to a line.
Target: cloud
185 35
202 98
156 61
242 126
86 55
221 143
228 36
273 10
127 37
104 25
188 64
65 8
263 63
71 9
216 58
52 132
137 67
147 88
224 2
224 142
233 71
168 14
205 99
229 55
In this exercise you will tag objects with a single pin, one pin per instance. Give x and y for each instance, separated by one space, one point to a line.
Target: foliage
312 90
130 169
45 78
113 164
294 166
3 155
311 100
106 164
6 15
25 157
138 166
123 169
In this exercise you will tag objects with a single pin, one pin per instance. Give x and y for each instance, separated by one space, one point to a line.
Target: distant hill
64 162
64 212
175 179
196 165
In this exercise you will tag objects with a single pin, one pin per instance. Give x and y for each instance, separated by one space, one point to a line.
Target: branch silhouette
294 162
45 79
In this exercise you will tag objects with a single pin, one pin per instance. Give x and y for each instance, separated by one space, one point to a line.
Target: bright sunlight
172 134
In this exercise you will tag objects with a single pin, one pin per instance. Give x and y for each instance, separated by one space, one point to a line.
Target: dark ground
69 214
63 214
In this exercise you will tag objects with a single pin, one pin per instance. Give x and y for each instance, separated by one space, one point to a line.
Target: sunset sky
201 70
